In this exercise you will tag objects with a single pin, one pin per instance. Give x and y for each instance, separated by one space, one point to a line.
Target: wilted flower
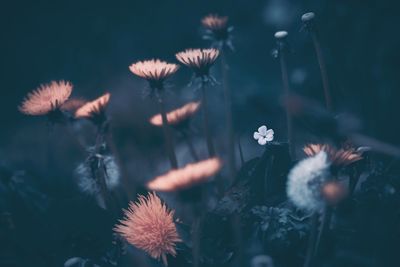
217 30
334 192
178 116
47 99
306 179
199 60
341 157
189 176
154 71
87 181
263 135
94 110
149 225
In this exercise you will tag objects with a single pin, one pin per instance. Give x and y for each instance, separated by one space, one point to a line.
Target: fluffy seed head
200 60
149 225
214 22
305 181
46 98
94 110
154 70
178 116
341 157
189 176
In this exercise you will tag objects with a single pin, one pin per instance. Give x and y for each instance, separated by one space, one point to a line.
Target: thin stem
169 143
228 116
190 145
240 151
198 211
311 240
210 145
286 91
326 220
322 66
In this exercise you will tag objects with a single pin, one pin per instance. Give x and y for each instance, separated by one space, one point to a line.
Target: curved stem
326 220
167 134
228 116
322 66
286 91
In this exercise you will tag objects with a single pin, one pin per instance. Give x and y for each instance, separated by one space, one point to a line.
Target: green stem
228 116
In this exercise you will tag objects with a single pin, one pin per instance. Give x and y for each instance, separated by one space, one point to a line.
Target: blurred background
92 43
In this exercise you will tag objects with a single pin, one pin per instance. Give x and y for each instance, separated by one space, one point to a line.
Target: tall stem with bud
309 23
282 51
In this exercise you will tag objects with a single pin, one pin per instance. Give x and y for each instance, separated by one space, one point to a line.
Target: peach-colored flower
149 225
200 60
46 98
154 70
189 176
177 116
334 192
93 109
341 157
214 22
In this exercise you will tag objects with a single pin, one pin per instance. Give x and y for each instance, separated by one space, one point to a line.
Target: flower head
154 71
217 30
199 60
189 176
149 225
178 116
94 110
341 157
46 99
263 135
305 181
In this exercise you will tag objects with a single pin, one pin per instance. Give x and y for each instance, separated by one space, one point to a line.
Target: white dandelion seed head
305 182
263 135
88 184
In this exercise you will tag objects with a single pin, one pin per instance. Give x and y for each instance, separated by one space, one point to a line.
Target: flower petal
257 135
262 130
262 141
270 135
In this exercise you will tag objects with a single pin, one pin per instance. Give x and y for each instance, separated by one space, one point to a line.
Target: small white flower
263 135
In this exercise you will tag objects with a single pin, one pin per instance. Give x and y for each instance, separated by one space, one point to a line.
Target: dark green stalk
190 145
210 145
311 240
228 116
169 143
286 90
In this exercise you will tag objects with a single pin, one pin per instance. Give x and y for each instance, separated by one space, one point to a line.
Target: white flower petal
262 141
270 135
256 135
262 130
